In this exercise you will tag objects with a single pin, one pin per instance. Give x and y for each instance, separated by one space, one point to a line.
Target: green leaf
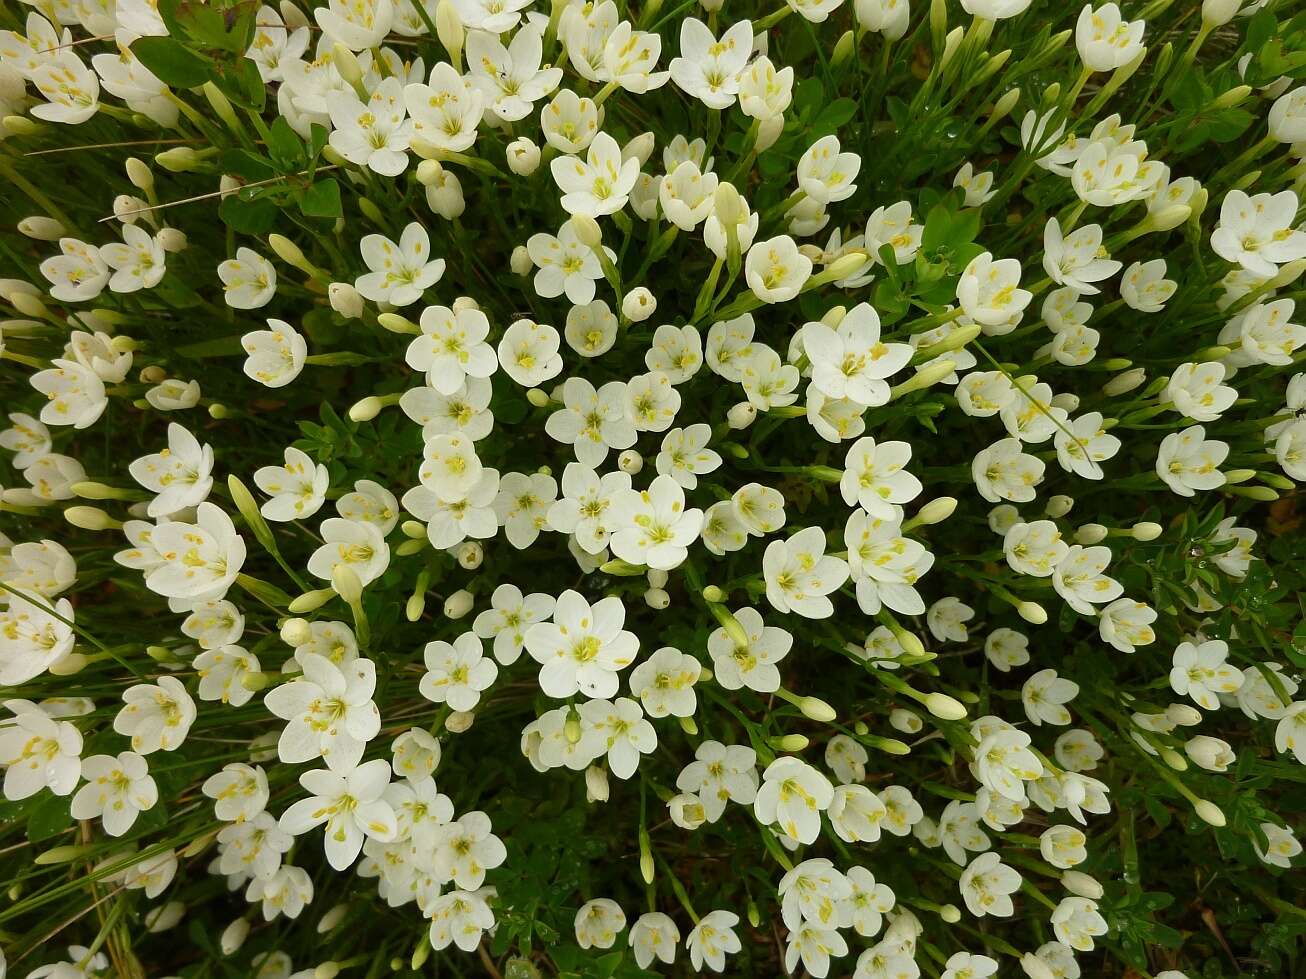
172 62
322 199
247 165
284 143
240 82
48 818
256 217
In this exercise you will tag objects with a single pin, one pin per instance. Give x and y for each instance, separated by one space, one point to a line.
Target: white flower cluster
697 408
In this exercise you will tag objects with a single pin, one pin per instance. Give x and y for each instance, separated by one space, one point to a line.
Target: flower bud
742 415
459 721
539 398
345 300
1168 217
658 579
351 72
816 709
40 228
164 916
687 811
1090 534
596 784
458 604
523 156
638 305
1081 884
179 159
520 261
347 584
1146 531
927 376
950 914
470 555
1035 968
61 854
1217 13
1172 758
587 230
365 204
296 632
1032 612
311 601
249 510
790 742
21 126
415 606
449 29
639 148
445 197
90 518
171 240
657 598
843 49
290 253
1003 106
366 409
936 511
1124 383
233 936
1209 812
905 721
944 707
332 918
1059 506
139 173
29 305
646 865
327 970
950 45
630 462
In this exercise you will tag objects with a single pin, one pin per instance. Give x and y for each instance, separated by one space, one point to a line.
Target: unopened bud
587 230
366 410
1146 531
950 914
950 45
927 376
905 721
523 156
944 707
171 240
351 72
638 305
596 784
520 261
936 511
332 918
657 598
1003 106
233 936
164 917
296 632
459 721
458 604
1081 884
346 583
345 300
1124 383
1032 612
1059 506
179 159
790 742
1090 533
90 518
817 709
630 462
40 228
1209 812
449 29
742 415
470 555
327 970
290 253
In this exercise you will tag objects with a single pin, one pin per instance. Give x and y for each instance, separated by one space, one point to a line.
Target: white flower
800 575
720 773
598 922
1004 472
528 352
825 174
357 24
628 59
195 561
592 421
652 527
157 716
1076 922
275 356
564 264
1077 260
1078 578
814 946
600 184
117 790
652 401
619 729
444 113
452 348
1004 763
1145 288
416 755
78 274
329 711
248 280
39 752
465 849
471 513
583 648
664 683
374 134
1200 672
239 791
987 885
1105 40
74 394
298 489
1083 443
353 543
137 261
793 795
875 477
1290 732
1043 696
687 195
570 121
977 187
776 270
1195 391
989 291
1188 461
511 78
1257 233
1281 846
708 69
510 615
350 802
495 16
676 352
287 892
685 456
399 274
459 918
884 565
965 965
712 939
995 9
457 673
764 92
222 671
522 506
181 475
855 814
654 936
1034 548
591 328
852 361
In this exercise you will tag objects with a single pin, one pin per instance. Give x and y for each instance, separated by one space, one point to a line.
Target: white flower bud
179 159
445 196
1209 812
937 510
587 230
1059 506
523 156
233 936
429 172
520 261
41 228
687 811
347 584
944 707
742 415
657 598
596 784
296 632
639 148
1147 531
449 29
905 721
464 303
470 555
345 300
332 918
1081 884
769 131
164 916
139 173
630 462
1090 534
658 579
1124 383
459 721
458 604
327 970
1035 967
1217 13
90 518
1032 612
638 305
171 240
816 709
